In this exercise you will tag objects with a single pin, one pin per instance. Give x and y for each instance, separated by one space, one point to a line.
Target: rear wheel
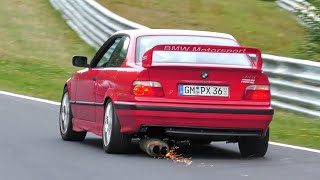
254 146
113 140
65 121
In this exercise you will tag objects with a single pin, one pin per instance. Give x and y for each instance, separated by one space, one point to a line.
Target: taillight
257 92
147 88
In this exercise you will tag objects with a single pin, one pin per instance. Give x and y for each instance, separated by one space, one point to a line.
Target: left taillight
147 88
258 93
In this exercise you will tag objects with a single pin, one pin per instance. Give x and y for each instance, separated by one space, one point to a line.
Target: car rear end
197 88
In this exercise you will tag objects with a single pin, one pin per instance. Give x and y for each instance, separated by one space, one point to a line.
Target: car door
86 82
106 78
84 96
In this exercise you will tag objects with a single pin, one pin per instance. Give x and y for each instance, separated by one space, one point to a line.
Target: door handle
94 78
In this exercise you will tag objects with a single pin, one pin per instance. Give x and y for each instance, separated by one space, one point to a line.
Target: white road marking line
57 103
29 98
295 147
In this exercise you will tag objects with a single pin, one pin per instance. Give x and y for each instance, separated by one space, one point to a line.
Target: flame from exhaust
172 154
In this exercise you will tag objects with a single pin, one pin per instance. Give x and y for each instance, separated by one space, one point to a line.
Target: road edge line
29 98
295 147
57 103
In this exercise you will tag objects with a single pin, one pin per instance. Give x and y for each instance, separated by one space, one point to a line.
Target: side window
120 53
103 62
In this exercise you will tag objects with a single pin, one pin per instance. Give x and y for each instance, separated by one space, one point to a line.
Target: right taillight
257 92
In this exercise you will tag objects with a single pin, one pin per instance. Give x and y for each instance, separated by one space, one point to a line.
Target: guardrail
299 5
295 84
91 21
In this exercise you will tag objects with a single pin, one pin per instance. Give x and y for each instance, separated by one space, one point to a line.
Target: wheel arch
68 85
106 99
109 95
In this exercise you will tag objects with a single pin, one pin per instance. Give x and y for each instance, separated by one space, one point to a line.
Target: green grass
35 54
253 22
36 47
34 78
295 129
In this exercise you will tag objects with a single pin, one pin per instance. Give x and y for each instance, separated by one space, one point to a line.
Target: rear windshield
145 43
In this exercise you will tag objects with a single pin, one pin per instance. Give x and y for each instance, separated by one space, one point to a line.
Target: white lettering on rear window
199 49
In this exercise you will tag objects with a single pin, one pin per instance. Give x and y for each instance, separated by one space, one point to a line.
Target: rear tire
65 120
113 141
254 146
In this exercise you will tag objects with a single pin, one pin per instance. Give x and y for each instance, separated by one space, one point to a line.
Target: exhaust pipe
154 147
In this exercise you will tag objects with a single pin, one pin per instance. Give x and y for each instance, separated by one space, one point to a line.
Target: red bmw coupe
175 84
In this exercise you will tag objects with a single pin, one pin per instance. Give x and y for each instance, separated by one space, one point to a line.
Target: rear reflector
147 88
258 92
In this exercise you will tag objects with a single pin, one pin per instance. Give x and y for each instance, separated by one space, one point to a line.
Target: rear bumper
210 119
196 132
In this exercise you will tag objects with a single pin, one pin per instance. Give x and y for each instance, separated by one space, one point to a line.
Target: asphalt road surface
31 149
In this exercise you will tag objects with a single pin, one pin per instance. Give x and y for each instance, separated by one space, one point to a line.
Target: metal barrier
299 5
91 21
295 84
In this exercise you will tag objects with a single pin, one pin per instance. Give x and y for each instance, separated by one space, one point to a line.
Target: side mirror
80 61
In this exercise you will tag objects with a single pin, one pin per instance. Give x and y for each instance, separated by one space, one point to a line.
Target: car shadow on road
211 151
97 143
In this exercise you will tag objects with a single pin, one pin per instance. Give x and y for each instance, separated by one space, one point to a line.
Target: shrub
312 24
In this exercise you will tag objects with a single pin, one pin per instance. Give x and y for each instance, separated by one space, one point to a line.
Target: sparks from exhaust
172 154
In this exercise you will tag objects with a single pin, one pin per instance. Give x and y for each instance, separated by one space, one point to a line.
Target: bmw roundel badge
204 75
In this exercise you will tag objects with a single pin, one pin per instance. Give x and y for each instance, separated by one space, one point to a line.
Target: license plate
199 90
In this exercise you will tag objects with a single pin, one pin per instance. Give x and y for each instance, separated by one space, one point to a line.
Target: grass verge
34 78
36 48
295 129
